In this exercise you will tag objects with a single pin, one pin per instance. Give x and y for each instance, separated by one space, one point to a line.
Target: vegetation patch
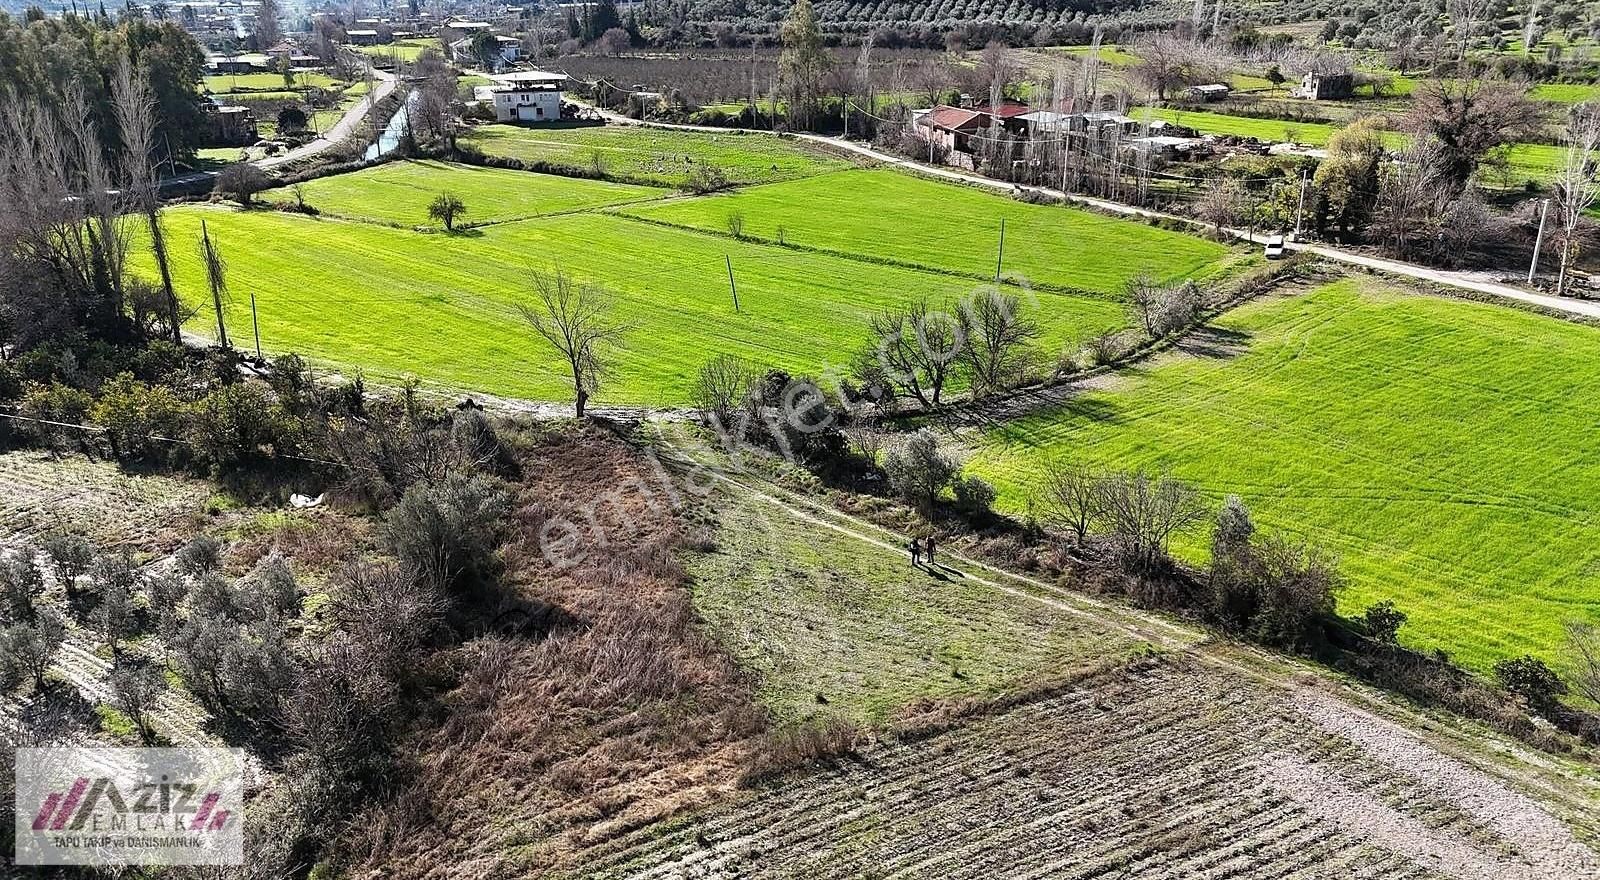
1421 438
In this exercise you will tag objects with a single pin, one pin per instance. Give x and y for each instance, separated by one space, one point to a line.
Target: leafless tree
1577 182
1168 62
576 319
135 108
1468 117
1583 659
1467 17
867 435
917 349
216 280
241 181
723 391
1221 203
997 353
1145 299
1412 194
1072 498
1142 513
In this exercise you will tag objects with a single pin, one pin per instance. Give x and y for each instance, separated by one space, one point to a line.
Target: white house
525 96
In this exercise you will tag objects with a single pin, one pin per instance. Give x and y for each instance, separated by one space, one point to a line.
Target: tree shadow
1214 343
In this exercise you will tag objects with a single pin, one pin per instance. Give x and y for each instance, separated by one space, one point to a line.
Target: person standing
916 552
931 545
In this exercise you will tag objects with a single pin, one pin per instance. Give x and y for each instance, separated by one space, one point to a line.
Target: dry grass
552 742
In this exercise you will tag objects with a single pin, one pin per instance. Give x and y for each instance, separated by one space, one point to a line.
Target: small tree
1072 498
1143 512
28 647
919 470
998 338
1234 572
1583 659
445 208
1382 621
21 584
736 225
70 557
1577 182
447 532
915 349
723 390
576 321
1528 677
292 118
115 575
241 181
136 690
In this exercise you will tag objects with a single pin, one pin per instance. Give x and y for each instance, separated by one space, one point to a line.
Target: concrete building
525 96
1325 86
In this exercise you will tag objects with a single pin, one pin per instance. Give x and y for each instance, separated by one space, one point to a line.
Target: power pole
1300 208
1000 257
255 324
732 286
1538 240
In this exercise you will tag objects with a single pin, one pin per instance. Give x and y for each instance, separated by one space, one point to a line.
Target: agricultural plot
399 193
396 302
222 83
1435 444
404 50
1166 769
1566 93
837 626
884 214
656 155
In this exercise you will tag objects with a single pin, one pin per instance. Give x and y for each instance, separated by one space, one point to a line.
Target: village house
526 96
363 37
231 126
1209 92
1325 86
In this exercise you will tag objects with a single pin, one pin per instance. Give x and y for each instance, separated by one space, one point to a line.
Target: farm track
1217 761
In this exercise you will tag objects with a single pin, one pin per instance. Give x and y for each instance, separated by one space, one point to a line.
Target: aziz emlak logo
129 806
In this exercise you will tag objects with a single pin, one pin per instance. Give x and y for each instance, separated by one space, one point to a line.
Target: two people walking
922 548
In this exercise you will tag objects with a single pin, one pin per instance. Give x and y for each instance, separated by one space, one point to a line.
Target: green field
1566 93
1439 446
400 192
223 83
658 155
397 302
881 213
405 50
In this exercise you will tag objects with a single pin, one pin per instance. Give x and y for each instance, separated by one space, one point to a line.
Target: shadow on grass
1215 343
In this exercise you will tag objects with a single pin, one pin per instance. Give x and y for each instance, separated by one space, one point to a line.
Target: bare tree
1143 512
1412 194
1221 203
135 108
1467 17
1469 117
723 390
1168 62
1583 659
241 181
1578 181
576 320
445 208
916 348
1072 498
216 280
997 353
1145 298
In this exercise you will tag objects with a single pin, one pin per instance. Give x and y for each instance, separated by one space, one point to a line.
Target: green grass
881 213
1440 446
1313 133
400 192
1566 93
1110 54
443 307
228 82
833 625
405 50
658 155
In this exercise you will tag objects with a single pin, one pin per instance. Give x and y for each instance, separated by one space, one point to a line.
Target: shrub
21 584
976 496
447 532
61 404
919 470
724 389
1382 621
1528 677
704 178
1297 586
136 416
239 425
70 557
1142 512
203 554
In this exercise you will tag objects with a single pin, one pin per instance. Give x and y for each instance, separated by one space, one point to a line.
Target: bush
202 555
447 532
239 425
704 178
1298 582
976 496
59 404
919 470
136 416
1528 677
1382 621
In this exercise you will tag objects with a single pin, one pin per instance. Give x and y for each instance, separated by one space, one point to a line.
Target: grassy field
887 214
1566 93
658 155
1437 445
400 192
444 307
405 50
222 83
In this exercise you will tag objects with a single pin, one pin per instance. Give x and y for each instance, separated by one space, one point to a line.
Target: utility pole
1538 240
731 286
1301 207
1000 257
255 324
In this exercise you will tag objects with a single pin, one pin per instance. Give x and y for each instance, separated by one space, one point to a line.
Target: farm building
1326 86
950 128
364 37
526 96
231 126
1209 92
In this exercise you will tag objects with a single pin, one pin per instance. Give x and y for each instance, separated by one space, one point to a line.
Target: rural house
1209 92
1326 86
526 96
